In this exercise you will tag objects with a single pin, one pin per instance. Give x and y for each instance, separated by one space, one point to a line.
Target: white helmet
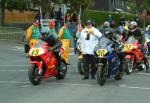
106 23
133 23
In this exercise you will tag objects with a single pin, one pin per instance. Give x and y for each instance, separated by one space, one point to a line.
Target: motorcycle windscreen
37 50
129 44
101 48
38 44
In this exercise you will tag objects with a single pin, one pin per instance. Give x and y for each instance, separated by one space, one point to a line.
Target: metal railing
11 33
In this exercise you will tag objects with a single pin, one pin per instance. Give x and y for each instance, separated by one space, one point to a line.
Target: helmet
107 24
148 28
108 33
133 25
44 30
90 22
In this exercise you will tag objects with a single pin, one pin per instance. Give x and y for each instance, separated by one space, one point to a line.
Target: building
110 5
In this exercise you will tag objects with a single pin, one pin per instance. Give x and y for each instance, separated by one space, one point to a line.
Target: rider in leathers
137 33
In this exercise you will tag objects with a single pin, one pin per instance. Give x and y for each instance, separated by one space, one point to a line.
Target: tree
139 5
76 3
2 8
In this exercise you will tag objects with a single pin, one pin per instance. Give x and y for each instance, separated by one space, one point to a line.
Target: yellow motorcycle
80 58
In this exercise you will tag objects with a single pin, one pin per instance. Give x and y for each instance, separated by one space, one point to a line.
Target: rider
54 43
137 33
116 45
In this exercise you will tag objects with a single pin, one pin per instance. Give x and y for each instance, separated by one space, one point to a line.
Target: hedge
100 17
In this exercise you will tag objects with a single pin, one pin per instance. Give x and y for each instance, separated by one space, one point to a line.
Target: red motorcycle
134 58
44 64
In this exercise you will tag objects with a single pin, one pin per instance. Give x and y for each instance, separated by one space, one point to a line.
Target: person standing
64 37
33 33
89 38
52 13
110 19
122 20
59 19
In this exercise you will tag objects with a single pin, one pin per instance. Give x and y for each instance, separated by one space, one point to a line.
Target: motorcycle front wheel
102 72
34 76
128 64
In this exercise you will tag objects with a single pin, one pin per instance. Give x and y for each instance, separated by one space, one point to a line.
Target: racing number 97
128 46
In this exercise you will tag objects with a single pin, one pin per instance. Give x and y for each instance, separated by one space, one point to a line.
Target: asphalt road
16 88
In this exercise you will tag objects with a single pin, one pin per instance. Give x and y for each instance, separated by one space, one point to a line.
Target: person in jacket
89 39
64 37
33 33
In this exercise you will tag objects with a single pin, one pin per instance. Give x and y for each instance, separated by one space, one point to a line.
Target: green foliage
100 17
138 5
10 4
76 3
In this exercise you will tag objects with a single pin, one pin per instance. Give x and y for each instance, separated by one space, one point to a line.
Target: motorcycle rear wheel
62 73
34 77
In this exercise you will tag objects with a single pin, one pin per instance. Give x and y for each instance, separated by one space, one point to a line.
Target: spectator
122 20
64 37
52 13
89 38
110 19
113 24
33 33
59 15
59 19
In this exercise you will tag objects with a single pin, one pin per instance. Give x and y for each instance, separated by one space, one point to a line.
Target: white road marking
14 65
13 82
24 86
18 70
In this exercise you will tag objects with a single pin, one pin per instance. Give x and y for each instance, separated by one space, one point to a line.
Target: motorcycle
44 63
80 58
134 58
109 63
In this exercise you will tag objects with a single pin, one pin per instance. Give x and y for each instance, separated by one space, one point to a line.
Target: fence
11 33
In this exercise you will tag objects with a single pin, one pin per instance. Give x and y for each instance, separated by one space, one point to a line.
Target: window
113 2
123 2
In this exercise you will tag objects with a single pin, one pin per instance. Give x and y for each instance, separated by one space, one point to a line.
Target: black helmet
108 33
